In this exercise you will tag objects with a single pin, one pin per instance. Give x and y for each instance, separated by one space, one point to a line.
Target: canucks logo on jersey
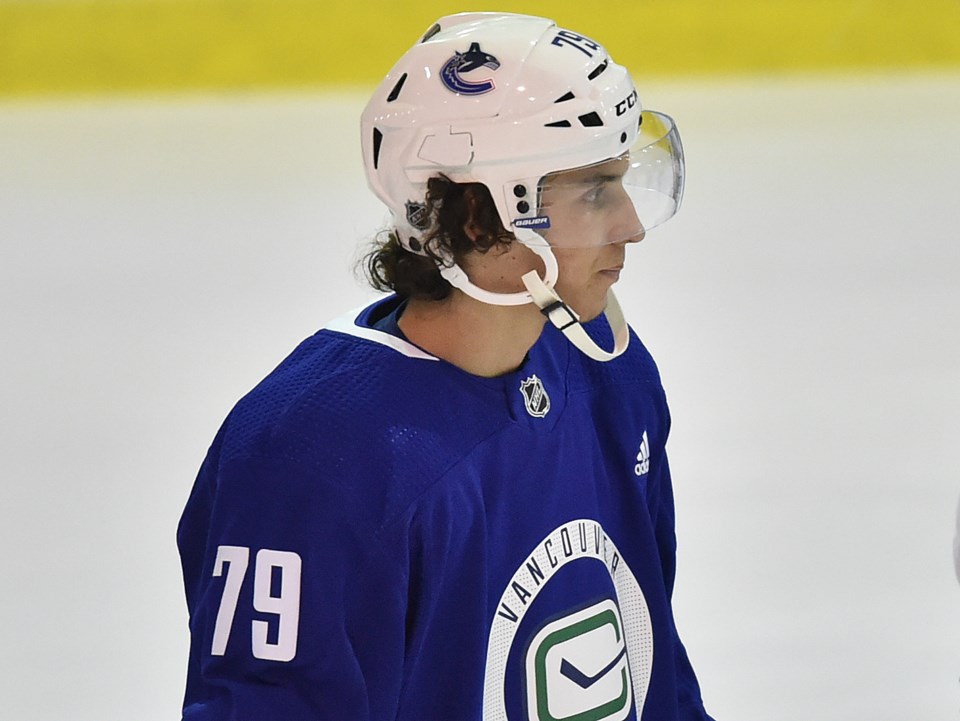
589 663
562 678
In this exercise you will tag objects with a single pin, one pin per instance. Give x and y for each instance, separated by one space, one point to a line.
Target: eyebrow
603 178
597 178
607 172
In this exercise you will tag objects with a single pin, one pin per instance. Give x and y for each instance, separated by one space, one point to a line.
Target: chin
589 300
591 311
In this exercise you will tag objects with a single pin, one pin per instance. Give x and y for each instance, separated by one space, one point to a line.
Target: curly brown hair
453 209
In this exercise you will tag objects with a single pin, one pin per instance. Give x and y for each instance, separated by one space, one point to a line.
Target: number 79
584 44
286 605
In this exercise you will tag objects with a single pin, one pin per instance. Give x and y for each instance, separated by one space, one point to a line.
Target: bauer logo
535 397
467 62
541 222
576 668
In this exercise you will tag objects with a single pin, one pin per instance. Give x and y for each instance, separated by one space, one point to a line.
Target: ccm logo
627 103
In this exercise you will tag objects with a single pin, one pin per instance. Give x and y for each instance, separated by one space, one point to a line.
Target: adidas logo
643 457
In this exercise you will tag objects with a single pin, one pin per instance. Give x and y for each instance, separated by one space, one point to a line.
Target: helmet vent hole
558 124
395 93
597 70
590 120
377 140
564 98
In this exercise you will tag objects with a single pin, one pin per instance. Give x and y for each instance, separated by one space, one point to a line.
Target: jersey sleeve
279 567
689 700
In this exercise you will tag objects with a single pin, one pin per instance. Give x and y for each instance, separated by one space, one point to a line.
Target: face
592 219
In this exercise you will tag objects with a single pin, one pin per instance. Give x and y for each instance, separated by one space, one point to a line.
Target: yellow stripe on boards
82 46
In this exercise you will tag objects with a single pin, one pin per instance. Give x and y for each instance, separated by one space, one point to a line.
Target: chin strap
457 277
566 320
540 291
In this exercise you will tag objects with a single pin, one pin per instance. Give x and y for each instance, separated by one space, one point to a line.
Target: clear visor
615 200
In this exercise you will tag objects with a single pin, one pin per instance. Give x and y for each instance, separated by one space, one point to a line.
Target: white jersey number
276 590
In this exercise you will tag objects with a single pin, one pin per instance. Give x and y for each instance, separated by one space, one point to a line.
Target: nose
626 226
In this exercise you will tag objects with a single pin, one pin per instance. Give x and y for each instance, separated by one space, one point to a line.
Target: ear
473 201
482 219
471 231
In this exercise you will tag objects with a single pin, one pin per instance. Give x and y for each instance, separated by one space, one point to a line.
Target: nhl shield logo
535 397
417 215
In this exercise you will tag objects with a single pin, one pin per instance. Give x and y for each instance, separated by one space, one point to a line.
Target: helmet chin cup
566 320
458 278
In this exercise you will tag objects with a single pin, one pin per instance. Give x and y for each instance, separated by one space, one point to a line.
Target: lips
612 273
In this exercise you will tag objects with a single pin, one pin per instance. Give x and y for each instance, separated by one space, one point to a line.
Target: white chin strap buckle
566 320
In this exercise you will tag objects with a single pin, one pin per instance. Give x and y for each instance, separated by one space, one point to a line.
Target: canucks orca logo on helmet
473 59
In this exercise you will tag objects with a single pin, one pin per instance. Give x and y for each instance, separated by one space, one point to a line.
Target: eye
595 195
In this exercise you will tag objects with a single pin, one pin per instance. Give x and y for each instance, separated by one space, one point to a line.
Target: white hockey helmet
513 101
505 100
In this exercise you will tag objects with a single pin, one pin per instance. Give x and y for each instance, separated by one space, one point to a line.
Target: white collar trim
347 323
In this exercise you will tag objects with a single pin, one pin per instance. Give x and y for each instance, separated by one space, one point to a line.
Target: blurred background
182 200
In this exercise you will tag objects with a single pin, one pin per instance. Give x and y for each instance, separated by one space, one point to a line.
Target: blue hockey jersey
376 534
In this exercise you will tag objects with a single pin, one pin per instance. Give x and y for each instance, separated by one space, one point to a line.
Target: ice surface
159 256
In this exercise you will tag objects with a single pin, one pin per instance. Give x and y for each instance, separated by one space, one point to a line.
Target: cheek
577 231
575 265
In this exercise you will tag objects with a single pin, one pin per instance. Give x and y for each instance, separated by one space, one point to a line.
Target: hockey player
455 503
